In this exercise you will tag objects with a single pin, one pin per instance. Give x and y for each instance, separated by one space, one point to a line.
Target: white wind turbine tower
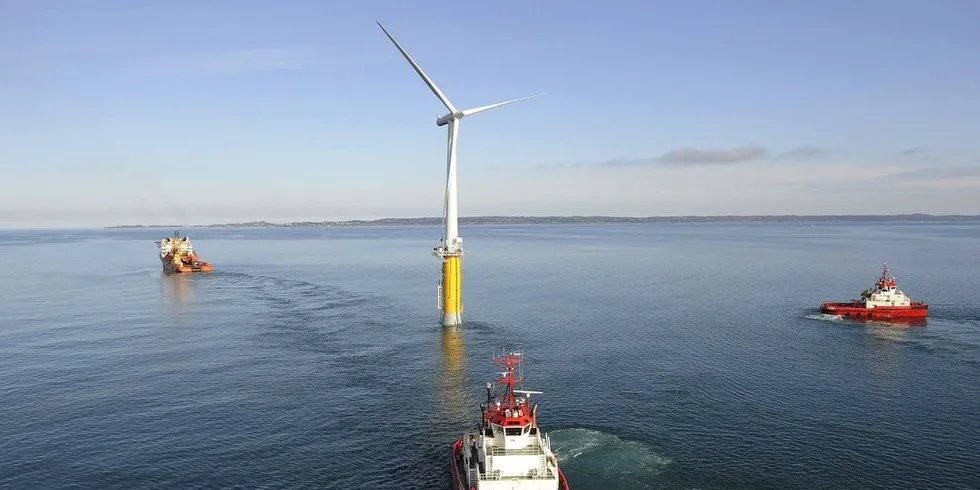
450 288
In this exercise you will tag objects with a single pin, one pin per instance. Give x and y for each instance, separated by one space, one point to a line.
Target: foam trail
607 461
825 317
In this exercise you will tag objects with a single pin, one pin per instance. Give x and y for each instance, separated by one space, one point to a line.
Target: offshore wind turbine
450 251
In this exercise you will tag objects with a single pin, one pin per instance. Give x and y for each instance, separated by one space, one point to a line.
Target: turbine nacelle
444 120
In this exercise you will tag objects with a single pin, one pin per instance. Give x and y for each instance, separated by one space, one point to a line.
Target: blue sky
198 112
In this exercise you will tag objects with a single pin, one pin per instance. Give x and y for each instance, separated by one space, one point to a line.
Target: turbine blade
467 112
418 69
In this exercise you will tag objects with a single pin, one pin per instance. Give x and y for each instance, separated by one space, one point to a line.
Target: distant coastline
574 220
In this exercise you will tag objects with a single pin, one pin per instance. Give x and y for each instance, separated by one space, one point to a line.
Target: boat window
513 431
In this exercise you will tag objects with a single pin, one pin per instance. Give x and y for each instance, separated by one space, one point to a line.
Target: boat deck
486 470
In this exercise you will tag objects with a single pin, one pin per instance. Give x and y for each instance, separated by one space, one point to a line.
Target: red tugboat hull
884 301
856 309
456 456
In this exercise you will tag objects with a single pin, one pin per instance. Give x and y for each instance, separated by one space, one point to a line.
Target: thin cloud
545 166
920 153
625 162
929 174
914 151
692 157
807 153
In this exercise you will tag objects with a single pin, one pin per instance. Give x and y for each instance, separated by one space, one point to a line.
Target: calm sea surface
671 356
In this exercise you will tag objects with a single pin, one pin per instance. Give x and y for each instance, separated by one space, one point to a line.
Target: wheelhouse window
513 431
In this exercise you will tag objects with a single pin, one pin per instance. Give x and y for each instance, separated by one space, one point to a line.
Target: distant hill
560 220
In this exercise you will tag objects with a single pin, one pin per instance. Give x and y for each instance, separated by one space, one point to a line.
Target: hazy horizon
117 113
694 218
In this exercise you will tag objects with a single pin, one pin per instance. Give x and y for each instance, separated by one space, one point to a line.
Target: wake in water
897 323
594 459
825 317
297 297
957 338
300 314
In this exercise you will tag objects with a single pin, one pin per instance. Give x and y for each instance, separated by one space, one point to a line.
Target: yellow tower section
451 294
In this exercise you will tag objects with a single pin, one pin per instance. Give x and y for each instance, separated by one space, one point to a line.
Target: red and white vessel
507 451
883 302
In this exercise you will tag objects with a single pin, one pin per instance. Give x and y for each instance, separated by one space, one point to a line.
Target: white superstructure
508 451
176 245
885 293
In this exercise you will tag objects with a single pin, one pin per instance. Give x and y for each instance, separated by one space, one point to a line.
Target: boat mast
508 378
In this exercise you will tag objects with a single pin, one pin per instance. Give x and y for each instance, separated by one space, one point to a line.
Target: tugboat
178 255
507 450
883 302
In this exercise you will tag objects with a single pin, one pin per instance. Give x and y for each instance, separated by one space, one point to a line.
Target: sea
670 356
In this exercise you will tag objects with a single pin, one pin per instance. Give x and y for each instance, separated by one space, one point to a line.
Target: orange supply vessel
882 302
507 450
178 255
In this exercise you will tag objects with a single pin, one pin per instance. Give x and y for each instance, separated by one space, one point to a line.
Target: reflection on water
452 382
452 351
888 331
177 289
886 352
891 323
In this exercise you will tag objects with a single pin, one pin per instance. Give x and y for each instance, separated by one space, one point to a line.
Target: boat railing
543 473
524 451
